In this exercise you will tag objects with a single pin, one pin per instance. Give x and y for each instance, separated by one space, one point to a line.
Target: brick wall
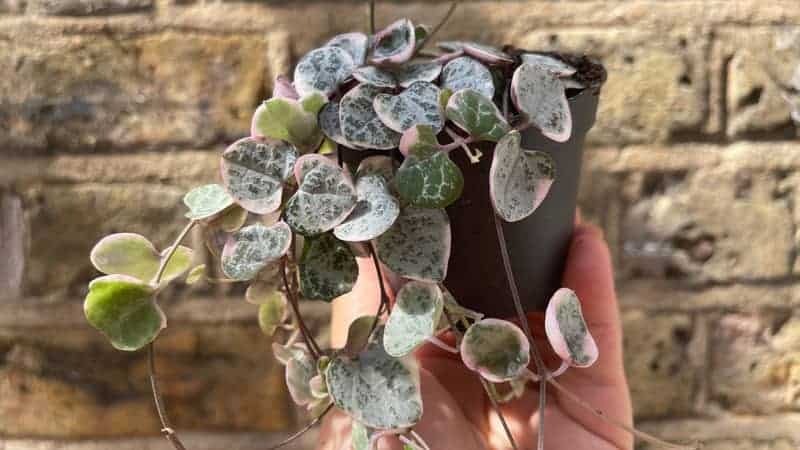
110 109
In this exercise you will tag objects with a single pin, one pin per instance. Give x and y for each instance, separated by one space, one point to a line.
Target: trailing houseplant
289 217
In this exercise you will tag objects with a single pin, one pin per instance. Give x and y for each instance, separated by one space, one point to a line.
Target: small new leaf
567 331
327 268
196 274
414 318
250 249
206 201
290 121
477 115
497 349
133 255
272 312
300 368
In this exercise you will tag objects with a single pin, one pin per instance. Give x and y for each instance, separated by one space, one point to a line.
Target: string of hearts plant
286 210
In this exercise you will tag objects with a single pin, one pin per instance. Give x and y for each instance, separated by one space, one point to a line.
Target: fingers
363 300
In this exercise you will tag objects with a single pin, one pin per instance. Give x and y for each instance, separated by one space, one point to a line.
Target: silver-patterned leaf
395 44
414 318
375 212
300 368
325 198
485 53
206 201
254 171
540 95
355 44
420 141
496 349
359 122
330 125
417 246
477 115
432 182
375 76
375 389
519 179
417 105
327 268
306 163
411 73
323 70
253 247
468 73
560 68
567 331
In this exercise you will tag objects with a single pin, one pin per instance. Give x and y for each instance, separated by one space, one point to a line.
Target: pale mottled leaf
395 44
477 115
411 73
519 179
375 76
375 389
355 44
382 165
432 182
327 268
555 65
197 273
272 312
254 171
324 200
468 73
420 141
206 201
282 88
250 249
485 53
330 124
359 122
286 119
306 163
540 95
323 70
265 290
417 105
375 211
418 245
497 349
414 317
567 331
124 310
300 368
133 255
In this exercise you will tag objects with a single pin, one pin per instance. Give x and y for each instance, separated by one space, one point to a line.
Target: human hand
458 414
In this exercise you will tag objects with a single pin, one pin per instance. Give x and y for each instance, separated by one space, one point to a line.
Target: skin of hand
458 415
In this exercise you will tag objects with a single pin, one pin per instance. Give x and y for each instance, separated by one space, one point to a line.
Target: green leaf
417 105
206 201
433 182
250 249
519 179
467 73
375 389
360 123
327 268
133 255
254 171
477 115
358 334
196 274
567 331
313 102
272 312
286 119
395 44
420 141
324 200
418 245
323 70
328 147
375 212
497 349
124 310
540 94
354 43
414 318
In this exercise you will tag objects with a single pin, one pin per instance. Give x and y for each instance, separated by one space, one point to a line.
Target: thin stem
165 260
439 25
600 414
491 393
457 142
384 297
474 158
371 9
303 430
442 345
563 368
419 439
307 336
409 442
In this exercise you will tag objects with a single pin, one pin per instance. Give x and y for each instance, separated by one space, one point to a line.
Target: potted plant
361 154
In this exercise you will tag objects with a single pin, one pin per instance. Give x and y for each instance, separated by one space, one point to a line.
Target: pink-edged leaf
323 70
484 53
325 198
554 65
540 94
253 172
309 162
375 76
394 44
420 141
567 331
355 44
300 369
465 72
417 105
282 88
497 349
360 123
252 248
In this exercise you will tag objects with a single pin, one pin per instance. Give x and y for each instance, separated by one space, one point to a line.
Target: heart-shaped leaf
485 53
375 76
327 268
325 198
539 94
375 389
359 122
375 212
432 182
556 66
206 201
468 73
253 247
567 331
417 105
330 124
124 310
395 44
272 313
411 73
353 43
323 70
414 318
283 353
288 120
306 163
519 179
254 171
420 141
300 368
133 255
417 246
283 88
477 115
264 290
496 349
382 165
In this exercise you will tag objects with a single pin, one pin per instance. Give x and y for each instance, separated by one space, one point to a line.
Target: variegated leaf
359 436
485 53
358 334
306 163
231 219
135 256
359 122
420 141
254 171
417 105
496 349
567 331
432 182
375 76
330 124
323 70
382 165
539 94
206 201
327 268
423 71
300 368
250 249
477 115
290 121
414 318
325 198
355 44
555 65
417 246
395 44
519 179
282 88
468 73
375 211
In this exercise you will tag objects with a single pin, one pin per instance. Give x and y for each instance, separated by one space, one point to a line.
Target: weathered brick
86 7
13 245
